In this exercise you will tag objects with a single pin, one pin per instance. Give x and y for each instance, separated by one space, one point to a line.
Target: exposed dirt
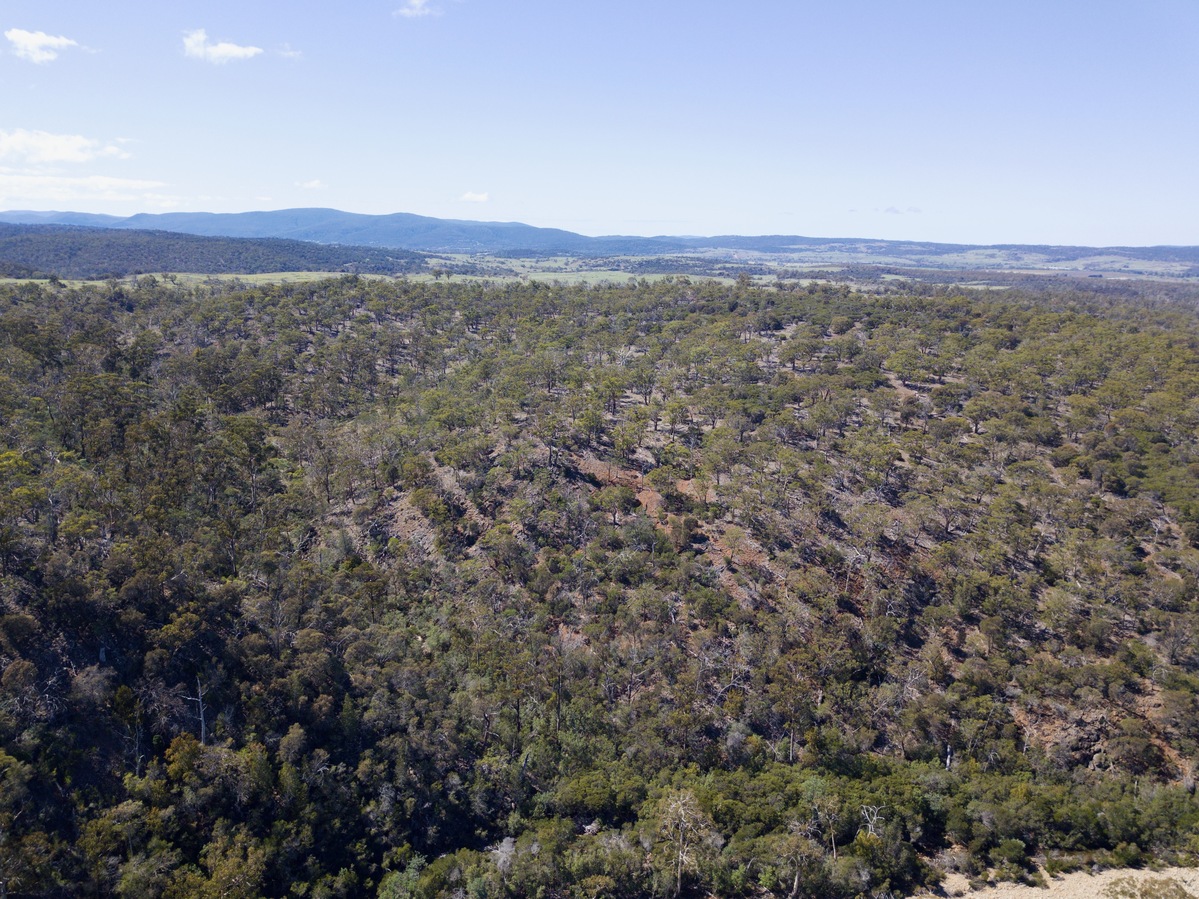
408 523
1169 883
606 472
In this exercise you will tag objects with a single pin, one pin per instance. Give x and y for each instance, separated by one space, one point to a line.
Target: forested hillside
360 587
67 251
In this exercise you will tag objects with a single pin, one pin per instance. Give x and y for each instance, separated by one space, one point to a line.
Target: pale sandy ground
1169 883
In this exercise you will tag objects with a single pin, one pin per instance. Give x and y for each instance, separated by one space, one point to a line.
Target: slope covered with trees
85 252
359 587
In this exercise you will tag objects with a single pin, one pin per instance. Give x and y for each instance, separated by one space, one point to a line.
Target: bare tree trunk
198 699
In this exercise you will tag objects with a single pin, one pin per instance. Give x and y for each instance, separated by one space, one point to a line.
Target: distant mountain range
331 226
432 235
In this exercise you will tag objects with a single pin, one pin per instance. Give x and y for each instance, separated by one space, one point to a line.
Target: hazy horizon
484 221
1020 124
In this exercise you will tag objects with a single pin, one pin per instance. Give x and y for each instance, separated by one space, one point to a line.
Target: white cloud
288 53
414 9
472 197
162 201
37 46
196 46
24 187
41 147
314 184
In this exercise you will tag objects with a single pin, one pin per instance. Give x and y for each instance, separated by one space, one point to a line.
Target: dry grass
1171 883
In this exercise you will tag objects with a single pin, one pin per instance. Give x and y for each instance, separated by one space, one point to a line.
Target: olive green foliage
689 588
76 252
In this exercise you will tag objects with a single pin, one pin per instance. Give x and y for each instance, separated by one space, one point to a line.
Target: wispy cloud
196 46
288 53
42 147
472 197
314 184
414 9
25 187
37 46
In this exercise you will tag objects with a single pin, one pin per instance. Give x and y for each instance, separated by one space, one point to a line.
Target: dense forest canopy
65 251
359 587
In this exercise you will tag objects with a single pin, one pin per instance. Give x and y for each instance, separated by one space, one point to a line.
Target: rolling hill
433 235
76 251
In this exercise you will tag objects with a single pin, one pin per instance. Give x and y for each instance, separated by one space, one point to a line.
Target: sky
1055 121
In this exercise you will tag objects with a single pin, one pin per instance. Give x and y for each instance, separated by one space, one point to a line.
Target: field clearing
975 266
609 276
197 278
267 277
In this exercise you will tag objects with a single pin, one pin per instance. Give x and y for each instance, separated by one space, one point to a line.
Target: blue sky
1016 122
